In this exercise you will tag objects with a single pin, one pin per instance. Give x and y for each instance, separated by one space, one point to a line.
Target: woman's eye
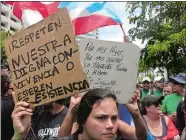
114 118
101 118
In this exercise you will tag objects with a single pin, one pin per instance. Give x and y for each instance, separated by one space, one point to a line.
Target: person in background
171 101
146 87
47 124
10 90
159 85
181 114
167 89
161 127
7 106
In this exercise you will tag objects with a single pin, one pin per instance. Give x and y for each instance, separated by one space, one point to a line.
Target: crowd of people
157 110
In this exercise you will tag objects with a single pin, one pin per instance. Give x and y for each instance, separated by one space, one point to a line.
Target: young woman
96 116
161 127
92 119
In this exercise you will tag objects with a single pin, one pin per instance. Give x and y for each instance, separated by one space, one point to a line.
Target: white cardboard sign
112 65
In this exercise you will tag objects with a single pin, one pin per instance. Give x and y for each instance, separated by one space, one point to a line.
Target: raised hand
75 100
21 117
132 104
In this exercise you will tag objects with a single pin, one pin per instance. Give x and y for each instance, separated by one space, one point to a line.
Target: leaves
163 26
4 63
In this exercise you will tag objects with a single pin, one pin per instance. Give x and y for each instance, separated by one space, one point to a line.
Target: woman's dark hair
142 109
88 100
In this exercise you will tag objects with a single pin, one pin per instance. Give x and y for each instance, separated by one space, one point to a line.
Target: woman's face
102 123
154 109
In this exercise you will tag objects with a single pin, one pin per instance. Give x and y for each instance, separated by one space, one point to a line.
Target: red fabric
82 25
92 22
172 131
9 2
44 9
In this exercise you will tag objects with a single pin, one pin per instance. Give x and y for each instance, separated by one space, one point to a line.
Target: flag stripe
82 9
93 20
44 9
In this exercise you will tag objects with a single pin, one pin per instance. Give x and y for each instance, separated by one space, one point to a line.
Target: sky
114 32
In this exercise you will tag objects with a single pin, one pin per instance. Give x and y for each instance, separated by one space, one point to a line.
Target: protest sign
45 61
112 65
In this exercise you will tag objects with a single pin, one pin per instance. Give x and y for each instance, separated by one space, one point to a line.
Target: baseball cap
180 78
151 99
158 78
146 79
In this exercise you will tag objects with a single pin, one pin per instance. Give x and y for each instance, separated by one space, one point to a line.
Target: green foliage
4 36
163 26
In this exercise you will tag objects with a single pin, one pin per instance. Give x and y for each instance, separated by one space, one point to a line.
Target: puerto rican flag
86 16
32 12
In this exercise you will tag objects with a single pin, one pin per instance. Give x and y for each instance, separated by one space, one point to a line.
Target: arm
140 128
137 132
68 126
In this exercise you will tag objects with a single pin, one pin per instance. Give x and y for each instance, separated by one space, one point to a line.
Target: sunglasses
176 83
156 104
167 91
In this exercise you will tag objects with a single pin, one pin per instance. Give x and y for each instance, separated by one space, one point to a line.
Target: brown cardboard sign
45 61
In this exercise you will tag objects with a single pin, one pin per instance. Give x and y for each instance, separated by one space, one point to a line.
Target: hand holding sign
132 105
21 117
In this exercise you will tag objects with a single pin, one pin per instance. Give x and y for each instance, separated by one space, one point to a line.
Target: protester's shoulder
181 101
7 100
170 96
63 112
167 118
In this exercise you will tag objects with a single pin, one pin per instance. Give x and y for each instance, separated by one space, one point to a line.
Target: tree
4 62
163 25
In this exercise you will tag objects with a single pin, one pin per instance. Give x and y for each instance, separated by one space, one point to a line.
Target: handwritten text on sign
45 61
111 65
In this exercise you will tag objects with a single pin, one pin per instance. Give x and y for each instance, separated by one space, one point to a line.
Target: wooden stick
123 30
126 39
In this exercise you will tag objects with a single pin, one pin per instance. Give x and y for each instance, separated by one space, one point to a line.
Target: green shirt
170 103
144 93
158 93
